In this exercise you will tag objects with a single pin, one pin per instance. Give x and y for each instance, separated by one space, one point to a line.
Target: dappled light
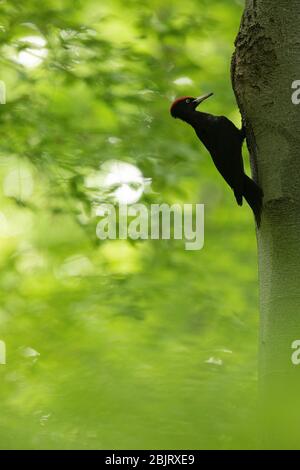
32 51
122 182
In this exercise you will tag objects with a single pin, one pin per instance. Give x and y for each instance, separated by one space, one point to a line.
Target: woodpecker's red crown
186 104
179 100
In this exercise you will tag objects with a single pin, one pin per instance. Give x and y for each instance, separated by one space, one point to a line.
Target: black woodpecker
224 142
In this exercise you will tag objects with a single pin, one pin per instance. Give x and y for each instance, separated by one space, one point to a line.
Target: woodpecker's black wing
226 151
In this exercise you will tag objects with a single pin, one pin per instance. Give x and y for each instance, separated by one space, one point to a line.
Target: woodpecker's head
186 105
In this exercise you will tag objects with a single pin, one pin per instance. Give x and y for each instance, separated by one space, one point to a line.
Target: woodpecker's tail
254 196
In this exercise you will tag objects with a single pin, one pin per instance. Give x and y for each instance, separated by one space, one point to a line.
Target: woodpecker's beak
200 99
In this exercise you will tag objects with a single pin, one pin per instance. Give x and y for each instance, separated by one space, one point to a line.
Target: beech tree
265 65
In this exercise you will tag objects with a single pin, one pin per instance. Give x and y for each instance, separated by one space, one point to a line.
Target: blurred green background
119 344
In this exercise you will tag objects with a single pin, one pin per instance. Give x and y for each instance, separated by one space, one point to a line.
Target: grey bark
265 63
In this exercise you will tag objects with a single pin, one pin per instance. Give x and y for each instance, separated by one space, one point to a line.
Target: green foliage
141 345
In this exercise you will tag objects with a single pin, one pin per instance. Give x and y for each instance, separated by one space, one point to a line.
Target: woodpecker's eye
187 100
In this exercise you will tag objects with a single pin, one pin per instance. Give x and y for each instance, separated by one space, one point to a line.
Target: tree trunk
264 66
